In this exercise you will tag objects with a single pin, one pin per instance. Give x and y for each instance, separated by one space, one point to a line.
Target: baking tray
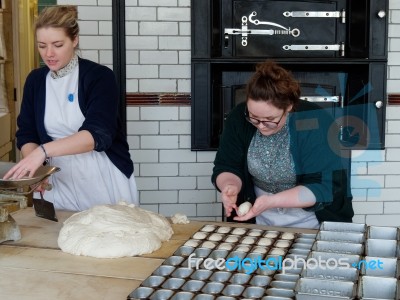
13 184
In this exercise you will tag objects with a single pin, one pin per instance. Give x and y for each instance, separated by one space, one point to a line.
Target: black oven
336 49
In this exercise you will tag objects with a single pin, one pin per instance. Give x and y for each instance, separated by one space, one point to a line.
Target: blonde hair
59 16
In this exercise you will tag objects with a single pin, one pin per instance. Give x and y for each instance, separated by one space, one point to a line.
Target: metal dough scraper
44 209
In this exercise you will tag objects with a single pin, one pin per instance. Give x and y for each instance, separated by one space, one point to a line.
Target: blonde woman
69 117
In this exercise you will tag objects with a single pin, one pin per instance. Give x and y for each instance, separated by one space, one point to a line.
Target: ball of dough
225 246
282 244
215 237
208 228
264 242
199 236
232 239
192 243
224 229
277 251
288 236
244 208
239 231
271 234
259 250
208 244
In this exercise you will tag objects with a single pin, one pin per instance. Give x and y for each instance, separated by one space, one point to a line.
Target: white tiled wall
170 177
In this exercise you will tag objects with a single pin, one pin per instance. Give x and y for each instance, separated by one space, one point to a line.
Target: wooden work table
35 268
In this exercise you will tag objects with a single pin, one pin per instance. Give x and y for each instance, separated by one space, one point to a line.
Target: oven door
284 28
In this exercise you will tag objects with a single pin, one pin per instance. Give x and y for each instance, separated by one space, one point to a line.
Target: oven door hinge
245 31
336 47
317 14
335 99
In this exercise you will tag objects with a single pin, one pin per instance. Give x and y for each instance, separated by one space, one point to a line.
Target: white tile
177 183
105 27
174 71
198 169
394 73
77 2
158 57
140 13
393 127
156 197
184 142
197 196
177 155
173 13
88 28
157 85
157 3
133 141
368 207
359 195
169 210
386 194
150 207
159 169
392 181
367 155
394 30
359 168
185 57
174 42
142 71
392 141
393 85
184 85
389 167
132 28
132 85
159 113
147 183
175 127
106 56
392 207
359 219
132 113
104 2
185 3
132 57
367 181
96 42
393 155
204 183
210 210
383 220
141 43
206 156
142 127
158 28
98 13
92 55
184 28
394 4
144 156
393 112
185 113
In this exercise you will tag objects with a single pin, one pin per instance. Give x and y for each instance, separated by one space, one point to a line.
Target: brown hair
59 16
274 84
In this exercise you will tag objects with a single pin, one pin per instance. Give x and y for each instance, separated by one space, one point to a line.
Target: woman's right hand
229 197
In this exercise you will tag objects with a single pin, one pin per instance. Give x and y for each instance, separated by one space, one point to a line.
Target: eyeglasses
255 122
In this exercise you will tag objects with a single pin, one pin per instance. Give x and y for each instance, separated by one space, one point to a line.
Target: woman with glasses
69 118
283 155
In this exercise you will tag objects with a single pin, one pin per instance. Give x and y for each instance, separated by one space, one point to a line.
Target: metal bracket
335 99
317 14
245 31
335 47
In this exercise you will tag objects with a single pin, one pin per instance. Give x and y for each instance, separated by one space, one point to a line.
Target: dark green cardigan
315 149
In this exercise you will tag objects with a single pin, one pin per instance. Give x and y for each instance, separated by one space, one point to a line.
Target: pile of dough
111 231
179 219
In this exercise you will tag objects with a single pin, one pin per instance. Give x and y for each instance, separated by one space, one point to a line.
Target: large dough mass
111 231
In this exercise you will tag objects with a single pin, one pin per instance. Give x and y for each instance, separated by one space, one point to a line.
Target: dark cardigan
316 154
98 101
